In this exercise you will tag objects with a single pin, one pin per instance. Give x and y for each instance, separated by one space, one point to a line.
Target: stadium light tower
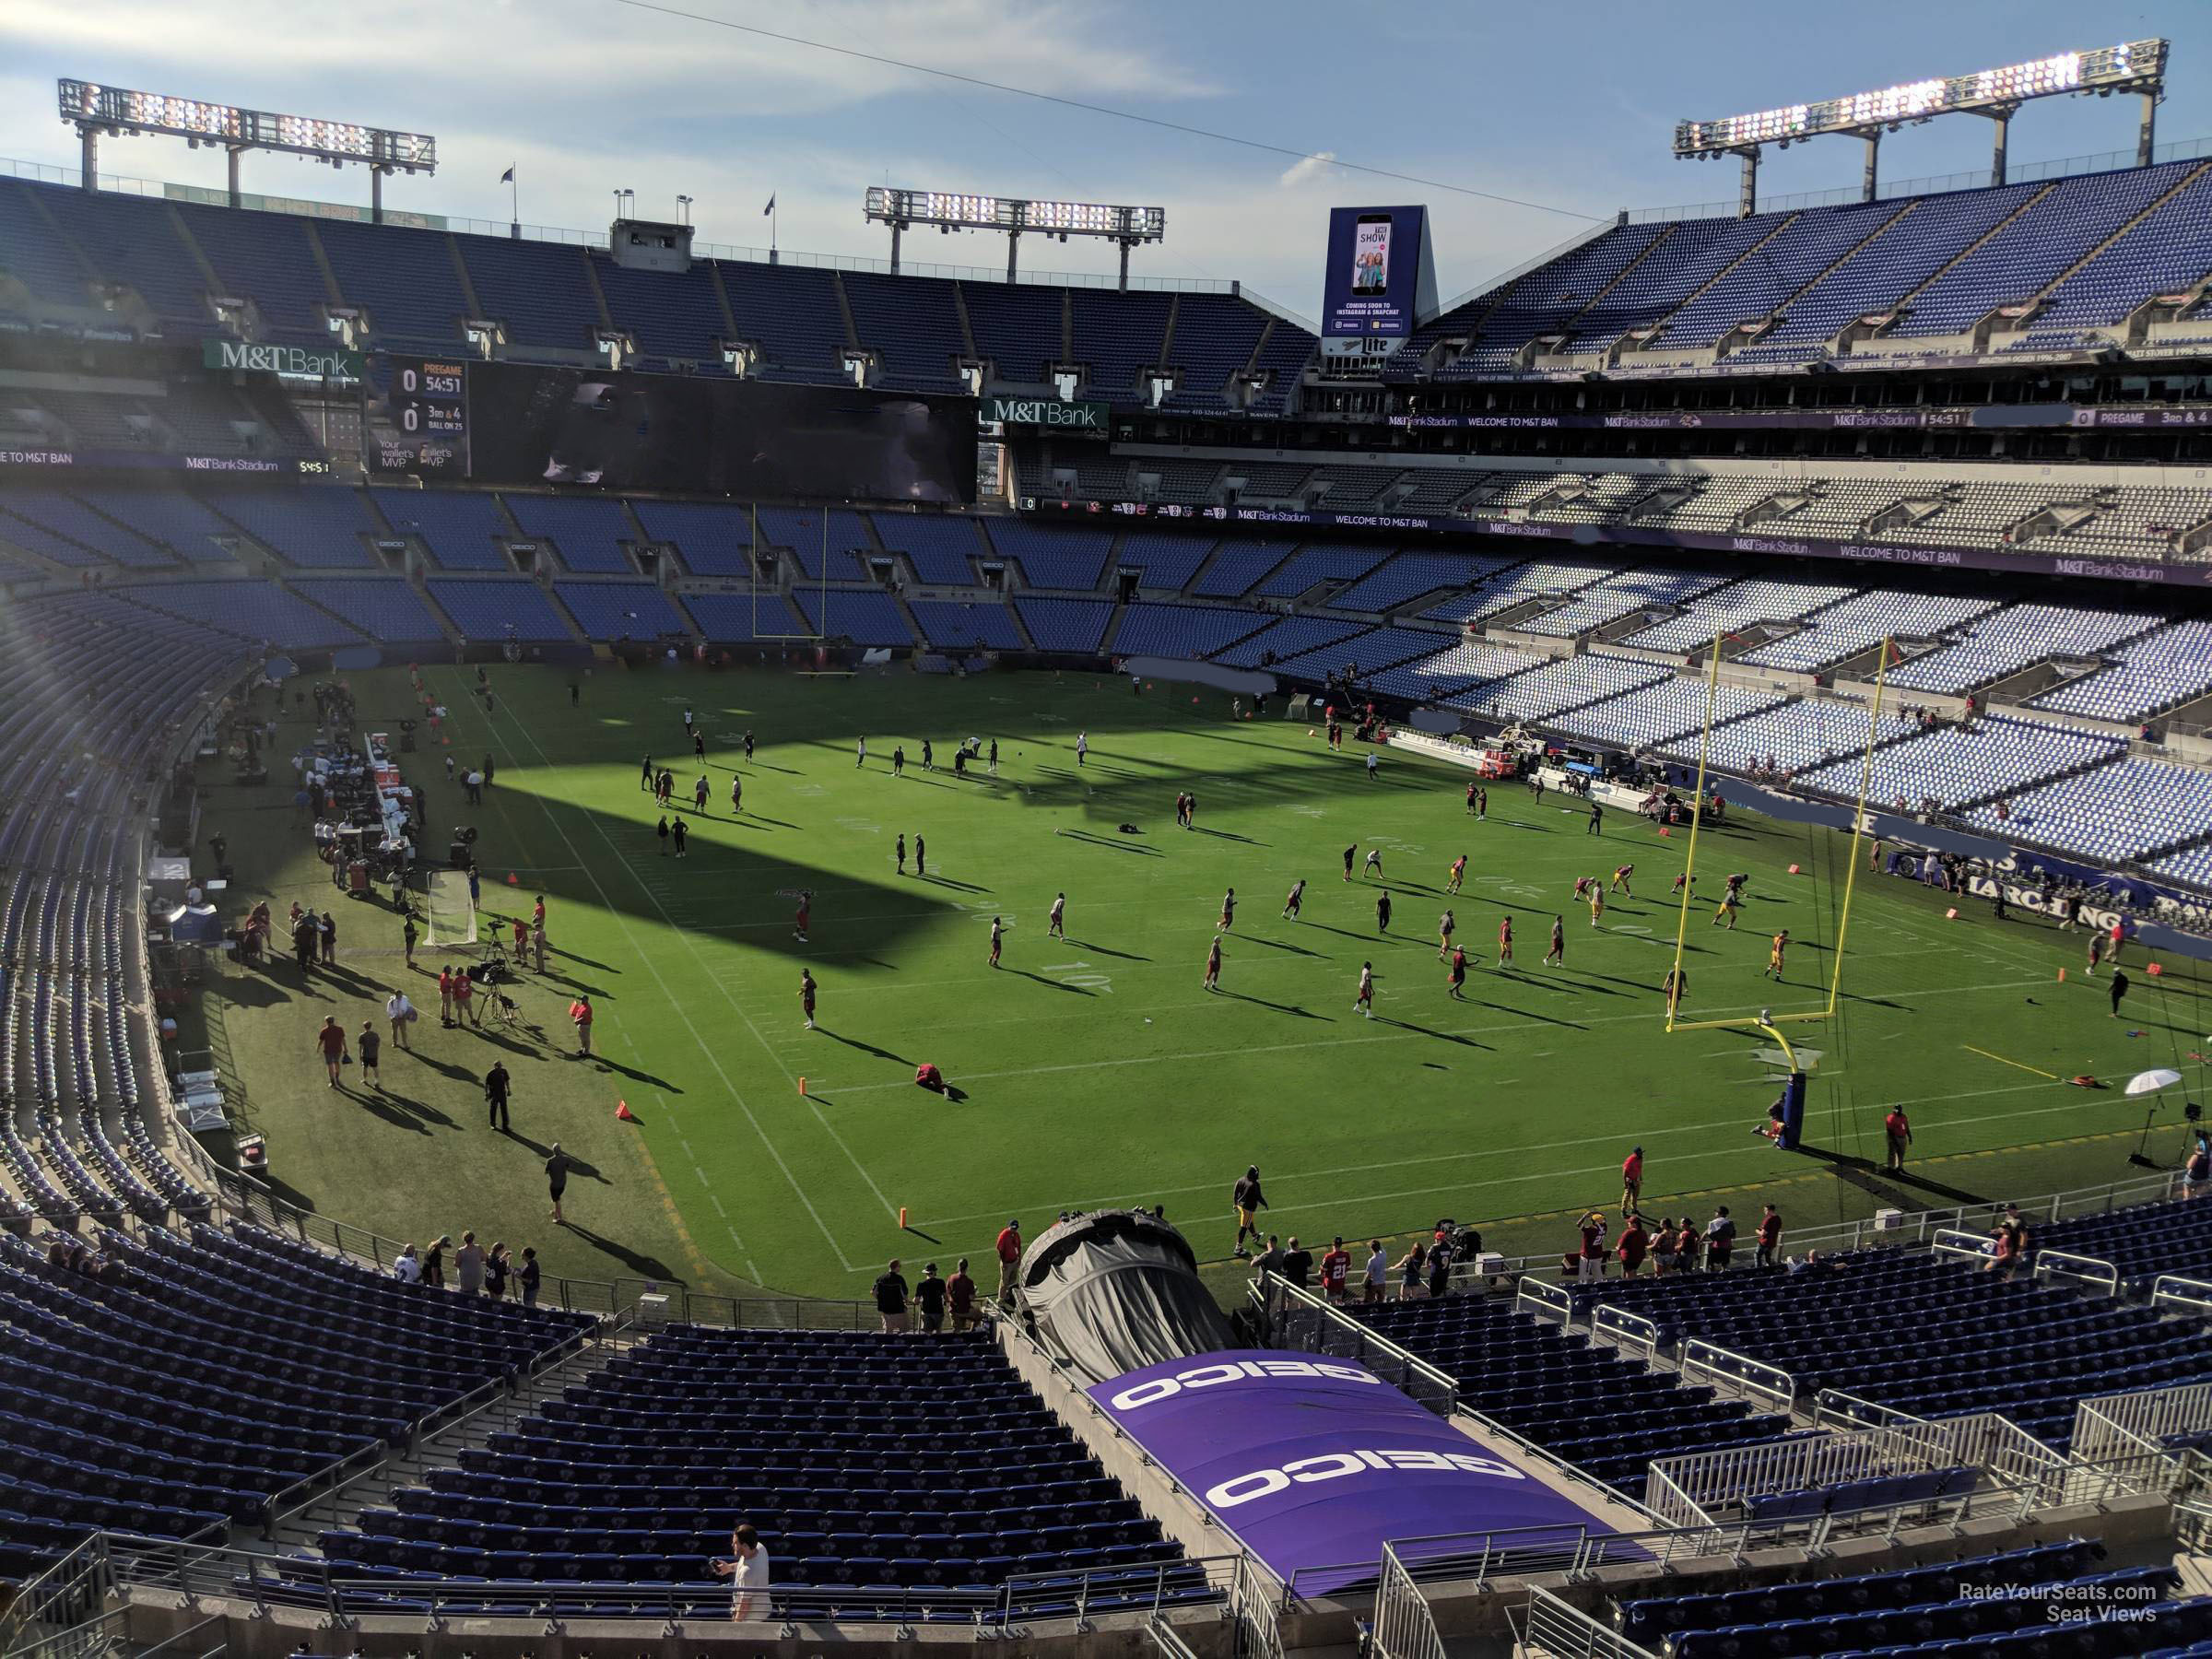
1996 94
904 210
93 110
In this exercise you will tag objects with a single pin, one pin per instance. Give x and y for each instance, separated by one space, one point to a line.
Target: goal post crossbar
1808 1018
752 585
1850 874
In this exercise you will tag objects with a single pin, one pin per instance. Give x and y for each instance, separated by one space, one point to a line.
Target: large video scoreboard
421 423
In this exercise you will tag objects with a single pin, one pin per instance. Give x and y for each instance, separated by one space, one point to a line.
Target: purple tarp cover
1315 1462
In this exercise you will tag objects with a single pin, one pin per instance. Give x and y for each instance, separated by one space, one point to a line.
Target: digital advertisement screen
1378 280
743 438
420 424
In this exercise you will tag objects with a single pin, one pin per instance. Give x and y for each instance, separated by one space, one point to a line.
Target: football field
1095 1069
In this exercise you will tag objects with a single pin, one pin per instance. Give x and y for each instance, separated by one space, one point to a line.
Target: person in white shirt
1378 1272
748 1574
401 1013
407 1270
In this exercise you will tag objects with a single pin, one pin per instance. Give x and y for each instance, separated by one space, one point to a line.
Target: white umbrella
2151 1082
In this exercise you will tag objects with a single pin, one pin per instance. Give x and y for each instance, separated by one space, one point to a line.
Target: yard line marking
673 1001
691 946
2000 1059
1605 1168
1275 1048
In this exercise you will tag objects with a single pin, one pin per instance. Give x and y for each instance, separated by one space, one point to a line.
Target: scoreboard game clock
421 426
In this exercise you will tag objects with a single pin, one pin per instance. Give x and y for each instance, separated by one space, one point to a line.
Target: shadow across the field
1888 1187
1373 938
1126 956
263 989
404 1111
1056 984
633 1074
1573 1025
639 1266
867 1047
1408 1025
1280 1007
611 870
377 1106
1108 843
965 887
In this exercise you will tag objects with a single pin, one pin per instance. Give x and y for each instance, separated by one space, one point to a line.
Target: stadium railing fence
1405 1624
653 1300
2132 1431
1694 1488
1476 1559
79 1606
1549 1626
1920 1227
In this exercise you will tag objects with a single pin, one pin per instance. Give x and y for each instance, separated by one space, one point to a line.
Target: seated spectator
408 1269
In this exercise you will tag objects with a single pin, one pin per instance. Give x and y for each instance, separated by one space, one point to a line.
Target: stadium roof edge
2029 172
40 172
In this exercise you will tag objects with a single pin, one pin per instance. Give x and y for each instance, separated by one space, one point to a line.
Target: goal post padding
453 913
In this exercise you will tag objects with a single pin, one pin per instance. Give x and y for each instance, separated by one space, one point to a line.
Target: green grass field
1097 1070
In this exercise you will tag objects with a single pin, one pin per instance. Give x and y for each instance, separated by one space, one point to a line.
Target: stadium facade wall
209 1625
1185 671
1771 547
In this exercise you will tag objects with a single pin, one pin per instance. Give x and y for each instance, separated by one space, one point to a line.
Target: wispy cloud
1306 169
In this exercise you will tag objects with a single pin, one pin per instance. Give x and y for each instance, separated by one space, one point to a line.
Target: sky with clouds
1569 105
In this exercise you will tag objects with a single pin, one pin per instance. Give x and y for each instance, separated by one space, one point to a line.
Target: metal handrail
1959 1242
1625 1330
1546 1300
1545 1624
1276 1295
87 1560
300 1498
1167 1640
2177 1294
1405 1623
2083 1270
1833 1408
264 1583
1705 1362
